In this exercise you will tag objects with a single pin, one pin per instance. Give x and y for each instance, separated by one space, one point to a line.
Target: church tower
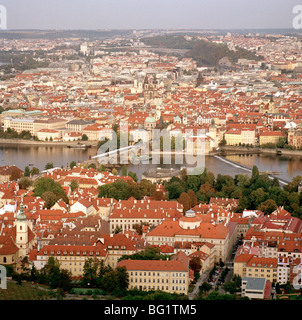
22 224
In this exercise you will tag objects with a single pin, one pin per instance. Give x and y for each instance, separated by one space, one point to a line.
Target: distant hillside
204 52
62 34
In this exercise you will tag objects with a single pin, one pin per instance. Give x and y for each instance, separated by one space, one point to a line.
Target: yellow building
32 125
247 265
166 275
236 137
271 137
233 137
70 257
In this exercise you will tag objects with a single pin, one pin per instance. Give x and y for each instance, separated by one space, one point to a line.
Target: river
38 156
287 167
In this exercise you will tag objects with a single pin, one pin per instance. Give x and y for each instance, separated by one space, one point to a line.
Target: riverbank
16 142
282 151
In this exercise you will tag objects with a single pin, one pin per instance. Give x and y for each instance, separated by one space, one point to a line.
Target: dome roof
150 119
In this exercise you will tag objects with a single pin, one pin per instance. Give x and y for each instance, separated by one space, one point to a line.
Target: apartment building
236 137
70 257
32 125
290 249
167 275
252 266
271 137
284 267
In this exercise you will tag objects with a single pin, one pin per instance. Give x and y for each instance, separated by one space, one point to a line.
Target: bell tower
21 224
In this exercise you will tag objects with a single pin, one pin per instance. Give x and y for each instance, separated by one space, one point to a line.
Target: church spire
21 215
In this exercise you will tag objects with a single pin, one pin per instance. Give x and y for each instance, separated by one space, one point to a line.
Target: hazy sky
145 14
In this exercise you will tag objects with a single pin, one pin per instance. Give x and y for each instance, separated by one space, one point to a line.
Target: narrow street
203 277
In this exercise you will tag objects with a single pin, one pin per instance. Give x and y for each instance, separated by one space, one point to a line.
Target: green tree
25 265
42 185
242 181
90 271
207 176
133 175
230 287
117 279
34 171
72 164
118 190
256 197
223 142
84 137
124 171
49 165
255 174
175 189
293 185
51 272
50 199
147 187
92 166
268 206
74 184
204 288
24 183
26 172
193 183
65 281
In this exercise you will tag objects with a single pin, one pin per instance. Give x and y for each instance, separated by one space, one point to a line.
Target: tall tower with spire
22 224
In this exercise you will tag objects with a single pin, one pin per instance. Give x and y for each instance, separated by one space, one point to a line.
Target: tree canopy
49 190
